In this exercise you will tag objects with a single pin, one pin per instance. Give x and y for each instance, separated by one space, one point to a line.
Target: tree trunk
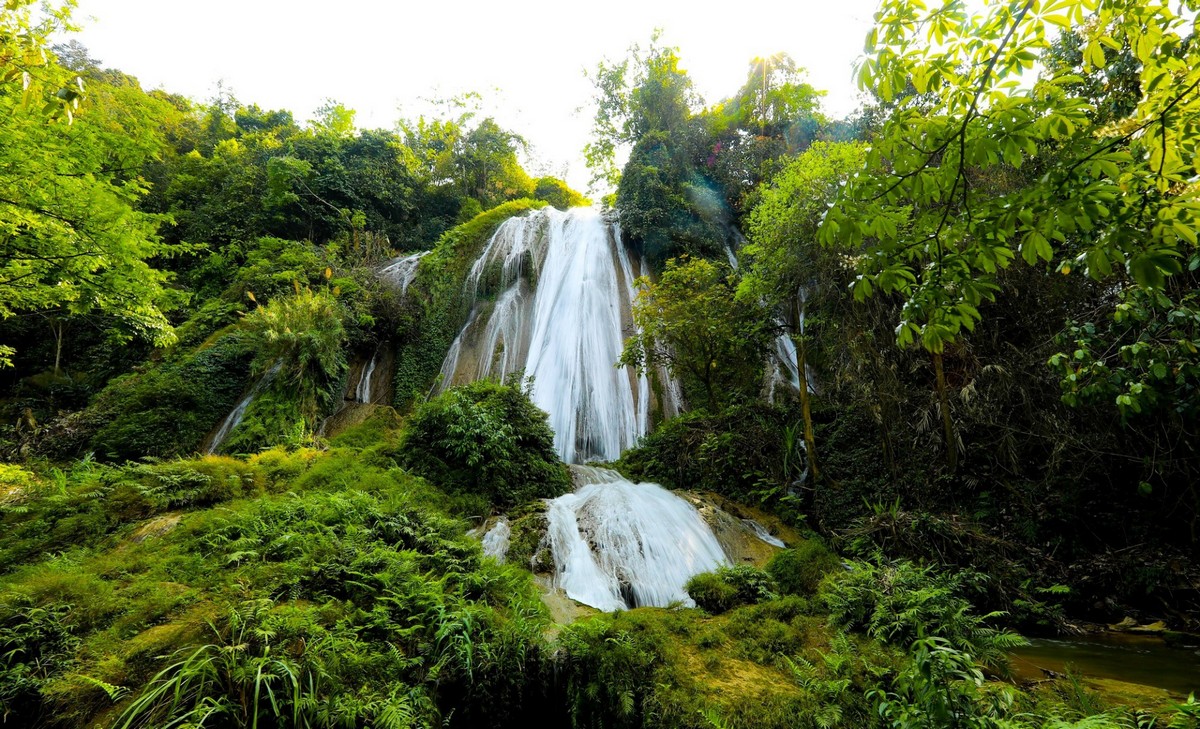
947 422
810 443
885 436
56 326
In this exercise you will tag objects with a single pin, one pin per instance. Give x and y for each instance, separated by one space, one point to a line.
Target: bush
303 336
798 571
486 439
167 410
730 587
739 453
558 193
901 602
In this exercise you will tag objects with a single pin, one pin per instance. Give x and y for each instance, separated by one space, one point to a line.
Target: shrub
303 336
486 439
607 673
167 410
730 587
798 571
739 452
901 602
557 193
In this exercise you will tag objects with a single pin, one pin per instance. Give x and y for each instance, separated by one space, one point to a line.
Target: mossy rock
799 570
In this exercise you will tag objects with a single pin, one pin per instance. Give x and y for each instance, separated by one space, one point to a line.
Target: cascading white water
362 393
785 360
552 295
761 532
495 542
235 416
401 271
783 356
617 544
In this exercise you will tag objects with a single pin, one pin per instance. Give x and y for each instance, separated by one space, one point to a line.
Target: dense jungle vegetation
989 275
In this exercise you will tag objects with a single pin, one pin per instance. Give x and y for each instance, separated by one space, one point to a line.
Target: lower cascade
618 545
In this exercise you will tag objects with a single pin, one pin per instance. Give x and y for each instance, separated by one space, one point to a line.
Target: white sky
380 58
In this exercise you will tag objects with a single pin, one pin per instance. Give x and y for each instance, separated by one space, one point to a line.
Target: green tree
940 209
644 93
787 259
776 102
71 241
692 322
334 119
557 193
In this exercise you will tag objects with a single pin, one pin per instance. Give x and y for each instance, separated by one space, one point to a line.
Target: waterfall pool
1139 659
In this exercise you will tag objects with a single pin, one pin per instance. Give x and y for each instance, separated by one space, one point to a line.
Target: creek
1140 659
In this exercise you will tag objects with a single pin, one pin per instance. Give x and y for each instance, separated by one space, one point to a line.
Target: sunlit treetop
992 155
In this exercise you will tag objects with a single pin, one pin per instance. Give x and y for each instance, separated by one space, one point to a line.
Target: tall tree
692 322
939 211
787 261
644 93
71 241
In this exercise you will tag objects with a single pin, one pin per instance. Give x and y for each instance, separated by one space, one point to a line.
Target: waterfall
401 271
551 296
234 418
495 542
783 354
761 532
617 544
362 393
784 357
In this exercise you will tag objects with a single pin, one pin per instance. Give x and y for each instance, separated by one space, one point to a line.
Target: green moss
382 426
799 570
15 484
527 540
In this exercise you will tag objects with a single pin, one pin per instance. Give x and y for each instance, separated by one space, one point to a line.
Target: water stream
362 393
496 540
1144 660
401 271
235 416
617 544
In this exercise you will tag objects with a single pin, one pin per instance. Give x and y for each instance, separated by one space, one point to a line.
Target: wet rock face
156 527
743 544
